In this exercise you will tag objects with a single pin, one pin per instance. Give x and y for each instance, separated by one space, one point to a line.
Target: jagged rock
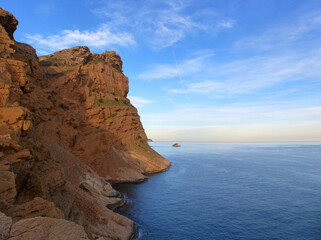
7 144
176 145
38 207
66 126
93 85
39 228
5 225
14 158
7 186
8 24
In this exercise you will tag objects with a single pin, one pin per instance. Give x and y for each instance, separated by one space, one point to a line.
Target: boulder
40 228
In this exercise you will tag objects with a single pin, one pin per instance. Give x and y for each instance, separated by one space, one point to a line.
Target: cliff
67 130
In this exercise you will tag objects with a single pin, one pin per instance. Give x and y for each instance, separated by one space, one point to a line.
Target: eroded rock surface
39 228
5 226
67 130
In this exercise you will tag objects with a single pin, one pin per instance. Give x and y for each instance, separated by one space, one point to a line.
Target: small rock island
176 145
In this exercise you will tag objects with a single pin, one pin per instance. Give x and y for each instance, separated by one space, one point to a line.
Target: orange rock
66 126
46 228
38 207
8 24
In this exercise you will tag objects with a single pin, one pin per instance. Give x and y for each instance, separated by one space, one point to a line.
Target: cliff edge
67 130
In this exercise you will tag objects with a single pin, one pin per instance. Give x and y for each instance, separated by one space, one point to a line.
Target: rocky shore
67 130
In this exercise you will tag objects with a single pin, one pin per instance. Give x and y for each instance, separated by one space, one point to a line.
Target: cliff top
83 55
9 22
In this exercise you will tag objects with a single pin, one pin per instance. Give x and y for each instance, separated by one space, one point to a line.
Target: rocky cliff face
66 131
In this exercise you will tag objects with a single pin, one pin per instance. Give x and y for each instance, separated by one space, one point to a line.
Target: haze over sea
230 191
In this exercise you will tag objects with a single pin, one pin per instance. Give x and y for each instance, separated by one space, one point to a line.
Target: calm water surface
230 191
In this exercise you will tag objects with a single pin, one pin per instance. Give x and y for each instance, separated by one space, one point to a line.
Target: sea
229 191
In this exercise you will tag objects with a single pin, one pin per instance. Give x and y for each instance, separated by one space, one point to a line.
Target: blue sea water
230 191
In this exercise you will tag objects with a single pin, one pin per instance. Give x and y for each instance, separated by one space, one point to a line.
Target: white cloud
284 36
45 8
227 24
308 131
42 53
262 122
102 37
158 23
264 113
250 75
139 102
181 69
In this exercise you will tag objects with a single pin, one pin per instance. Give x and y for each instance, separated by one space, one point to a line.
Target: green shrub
54 75
63 107
51 62
45 63
112 102
84 74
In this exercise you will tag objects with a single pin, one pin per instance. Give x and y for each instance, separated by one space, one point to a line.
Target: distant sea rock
176 145
150 140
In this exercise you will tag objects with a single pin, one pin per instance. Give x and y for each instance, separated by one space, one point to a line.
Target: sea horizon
229 191
160 120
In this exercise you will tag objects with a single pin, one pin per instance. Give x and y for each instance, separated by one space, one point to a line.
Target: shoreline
124 202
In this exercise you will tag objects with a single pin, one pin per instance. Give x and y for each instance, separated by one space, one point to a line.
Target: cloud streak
278 132
277 122
102 37
231 115
160 24
250 75
184 68
285 35
157 24
139 102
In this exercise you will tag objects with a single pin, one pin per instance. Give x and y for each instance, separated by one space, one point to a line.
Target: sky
199 70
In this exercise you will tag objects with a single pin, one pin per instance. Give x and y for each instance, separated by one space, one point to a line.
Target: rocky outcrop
67 130
37 207
39 228
47 228
5 226
94 87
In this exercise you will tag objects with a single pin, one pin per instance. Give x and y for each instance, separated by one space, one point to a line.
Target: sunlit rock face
66 130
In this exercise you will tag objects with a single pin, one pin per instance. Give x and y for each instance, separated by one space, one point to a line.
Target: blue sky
237 70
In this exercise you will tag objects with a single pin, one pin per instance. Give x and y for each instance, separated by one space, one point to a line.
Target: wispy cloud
252 74
184 68
227 24
45 8
102 37
285 35
230 115
139 102
305 131
261 122
158 23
